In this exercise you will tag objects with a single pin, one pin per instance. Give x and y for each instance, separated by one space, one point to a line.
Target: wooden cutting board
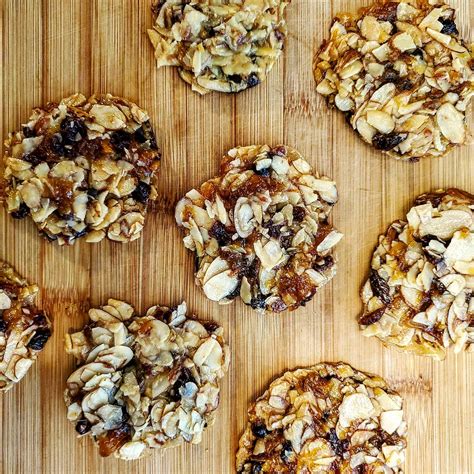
52 48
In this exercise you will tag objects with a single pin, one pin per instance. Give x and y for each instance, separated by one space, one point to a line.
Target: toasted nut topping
260 229
24 329
419 294
219 46
83 167
326 418
144 381
402 76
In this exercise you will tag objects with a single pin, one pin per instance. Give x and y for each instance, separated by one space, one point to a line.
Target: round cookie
219 47
144 381
24 329
419 295
260 230
329 418
83 168
401 74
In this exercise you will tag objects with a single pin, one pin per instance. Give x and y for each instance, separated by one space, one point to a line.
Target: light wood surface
52 48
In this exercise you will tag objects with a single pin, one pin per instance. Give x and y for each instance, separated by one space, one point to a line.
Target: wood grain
51 48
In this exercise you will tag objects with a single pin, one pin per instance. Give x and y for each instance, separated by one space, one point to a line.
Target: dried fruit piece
24 329
260 230
144 381
223 46
84 168
419 296
401 75
326 418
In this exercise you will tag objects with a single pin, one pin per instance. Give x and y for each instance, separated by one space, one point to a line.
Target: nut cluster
401 74
219 46
24 329
83 167
419 296
326 419
260 230
144 381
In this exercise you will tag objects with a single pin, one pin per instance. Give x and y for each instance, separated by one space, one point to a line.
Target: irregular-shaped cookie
419 295
260 230
24 329
219 46
144 381
83 167
329 418
401 74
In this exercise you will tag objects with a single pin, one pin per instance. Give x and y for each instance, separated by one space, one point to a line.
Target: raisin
298 213
372 318
256 467
83 426
388 141
361 469
405 85
339 446
33 158
22 212
233 294
449 27
286 240
274 230
142 192
259 430
40 338
3 325
71 127
418 52
380 287
286 452
219 232
120 140
40 319
253 80
210 326
184 377
258 302
145 134
29 132
237 78
79 234
265 172
57 144
390 75
92 192
325 264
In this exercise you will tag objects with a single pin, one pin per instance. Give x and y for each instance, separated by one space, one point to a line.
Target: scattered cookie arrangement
87 168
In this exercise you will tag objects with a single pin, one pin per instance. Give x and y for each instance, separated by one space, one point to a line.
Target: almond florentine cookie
219 46
329 418
260 230
24 329
144 381
419 296
402 75
83 167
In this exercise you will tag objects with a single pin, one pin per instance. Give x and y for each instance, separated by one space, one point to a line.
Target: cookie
260 229
24 329
144 382
83 168
219 46
419 295
329 418
401 74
